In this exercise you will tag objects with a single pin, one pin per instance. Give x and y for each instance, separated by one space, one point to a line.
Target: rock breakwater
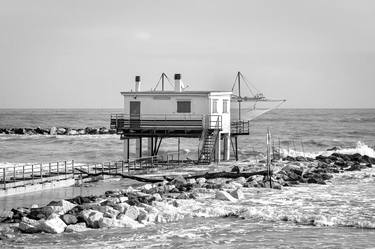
57 131
172 200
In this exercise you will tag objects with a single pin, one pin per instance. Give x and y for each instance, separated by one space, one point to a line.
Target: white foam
360 148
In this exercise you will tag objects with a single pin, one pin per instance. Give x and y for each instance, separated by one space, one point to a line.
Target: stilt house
159 114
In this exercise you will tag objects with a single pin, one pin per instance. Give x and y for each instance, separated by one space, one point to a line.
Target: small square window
225 106
183 106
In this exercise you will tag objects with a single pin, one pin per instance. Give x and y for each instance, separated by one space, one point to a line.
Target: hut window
183 106
225 106
214 106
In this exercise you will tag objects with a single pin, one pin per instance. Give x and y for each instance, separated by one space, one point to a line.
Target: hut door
135 114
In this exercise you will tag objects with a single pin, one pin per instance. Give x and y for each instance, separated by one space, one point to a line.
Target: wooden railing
16 176
165 121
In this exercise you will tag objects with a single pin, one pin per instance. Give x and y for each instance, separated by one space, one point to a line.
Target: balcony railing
165 121
240 127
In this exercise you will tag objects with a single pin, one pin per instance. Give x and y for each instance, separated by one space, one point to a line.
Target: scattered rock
79 227
53 224
69 219
29 225
132 212
92 217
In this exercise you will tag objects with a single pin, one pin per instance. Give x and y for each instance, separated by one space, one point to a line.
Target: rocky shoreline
172 200
57 131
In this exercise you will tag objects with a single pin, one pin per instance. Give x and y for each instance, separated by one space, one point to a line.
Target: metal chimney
137 83
178 85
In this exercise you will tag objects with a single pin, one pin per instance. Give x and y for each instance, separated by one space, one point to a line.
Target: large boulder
224 196
30 225
69 219
73 132
238 194
179 181
79 227
53 224
40 213
61 207
60 131
53 131
92 217
132 212
121 207
108 211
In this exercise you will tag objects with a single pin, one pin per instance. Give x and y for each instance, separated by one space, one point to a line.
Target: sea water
340 214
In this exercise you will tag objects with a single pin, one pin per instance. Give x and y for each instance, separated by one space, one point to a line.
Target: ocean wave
361 148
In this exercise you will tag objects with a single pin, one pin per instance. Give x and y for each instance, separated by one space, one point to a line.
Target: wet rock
40 213
53 224
92 217
53 131
79 227
82 199
103 130
121 207
41 131
29 225
225 196
236 169
132 212
61 207
356 167
91 131
19 131
334 148
179 181
238 194
241 180
69 219
61 131
6 216
108 211
72 132
18 213
81 132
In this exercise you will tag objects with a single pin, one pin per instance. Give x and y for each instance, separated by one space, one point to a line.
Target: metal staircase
208 146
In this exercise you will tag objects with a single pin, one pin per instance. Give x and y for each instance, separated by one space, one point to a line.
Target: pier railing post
49 169
41 171
23 172
32 172
102 169
4 179
14 174
122 167
58 171
65 168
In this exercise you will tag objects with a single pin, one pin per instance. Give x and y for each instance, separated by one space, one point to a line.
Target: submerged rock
224 196
238 194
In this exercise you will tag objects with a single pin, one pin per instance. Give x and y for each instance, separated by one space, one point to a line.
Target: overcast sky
82 53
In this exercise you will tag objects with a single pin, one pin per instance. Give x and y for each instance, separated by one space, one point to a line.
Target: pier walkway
34 177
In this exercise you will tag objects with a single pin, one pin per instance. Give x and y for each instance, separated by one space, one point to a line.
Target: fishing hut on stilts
152 116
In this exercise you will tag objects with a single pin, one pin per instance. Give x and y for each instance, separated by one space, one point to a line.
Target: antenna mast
239 95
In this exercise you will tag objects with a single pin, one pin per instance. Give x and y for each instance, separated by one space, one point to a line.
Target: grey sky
82 53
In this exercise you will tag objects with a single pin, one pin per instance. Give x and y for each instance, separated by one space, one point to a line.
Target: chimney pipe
178 85
137 83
